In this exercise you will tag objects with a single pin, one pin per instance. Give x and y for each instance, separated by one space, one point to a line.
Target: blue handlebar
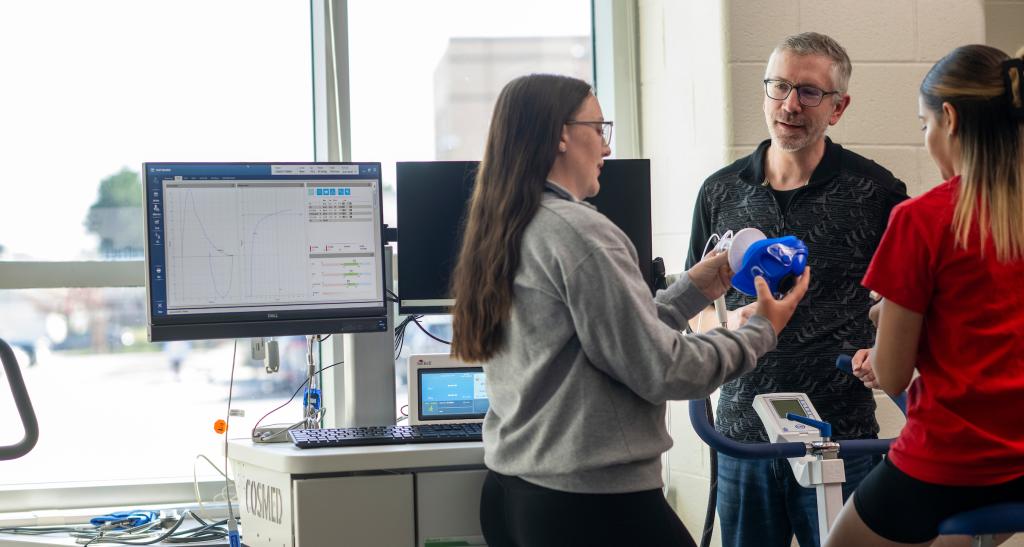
824 427
770 451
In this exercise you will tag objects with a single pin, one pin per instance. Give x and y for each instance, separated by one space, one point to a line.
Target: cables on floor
139 527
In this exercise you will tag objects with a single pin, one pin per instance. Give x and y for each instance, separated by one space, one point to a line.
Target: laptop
444 390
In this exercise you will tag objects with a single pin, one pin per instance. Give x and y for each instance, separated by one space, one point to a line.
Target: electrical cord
195 481
400 333
709 515
233 537
148 533
425 331
297 390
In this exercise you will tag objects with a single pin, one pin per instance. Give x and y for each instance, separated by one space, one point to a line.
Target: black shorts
901 508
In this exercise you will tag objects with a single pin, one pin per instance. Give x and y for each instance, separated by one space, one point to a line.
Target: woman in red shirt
950 269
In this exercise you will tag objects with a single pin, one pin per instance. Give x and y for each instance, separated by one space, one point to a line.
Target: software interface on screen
447 394
284 248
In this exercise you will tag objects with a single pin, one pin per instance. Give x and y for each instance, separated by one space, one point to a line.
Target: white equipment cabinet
413 494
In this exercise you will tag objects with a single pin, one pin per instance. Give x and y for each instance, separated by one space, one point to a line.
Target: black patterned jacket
840 215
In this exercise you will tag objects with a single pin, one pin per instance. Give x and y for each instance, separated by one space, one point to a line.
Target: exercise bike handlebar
767 451
22 402
770 451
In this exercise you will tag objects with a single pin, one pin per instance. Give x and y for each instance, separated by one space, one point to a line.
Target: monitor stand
361 391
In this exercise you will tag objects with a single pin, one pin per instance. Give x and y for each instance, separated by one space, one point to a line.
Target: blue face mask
780 261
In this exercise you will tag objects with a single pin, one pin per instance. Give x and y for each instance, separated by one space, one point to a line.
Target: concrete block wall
683 109
1004 24
892 44
701 69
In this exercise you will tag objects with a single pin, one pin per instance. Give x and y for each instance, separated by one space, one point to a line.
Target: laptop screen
452 394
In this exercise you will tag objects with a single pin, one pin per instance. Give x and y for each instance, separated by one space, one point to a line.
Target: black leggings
901 508
516 513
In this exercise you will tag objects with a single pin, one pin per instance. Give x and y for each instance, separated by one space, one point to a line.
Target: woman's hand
780 311
712 275
862 368
874 311
740 316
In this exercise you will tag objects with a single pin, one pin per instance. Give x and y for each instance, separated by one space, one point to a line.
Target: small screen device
443 390
772 409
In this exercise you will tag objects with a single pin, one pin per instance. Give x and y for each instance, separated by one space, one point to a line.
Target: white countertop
287 458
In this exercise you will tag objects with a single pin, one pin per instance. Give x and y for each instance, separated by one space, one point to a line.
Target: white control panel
772 409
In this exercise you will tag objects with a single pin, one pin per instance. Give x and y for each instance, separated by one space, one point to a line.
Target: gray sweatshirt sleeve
634 339
679 302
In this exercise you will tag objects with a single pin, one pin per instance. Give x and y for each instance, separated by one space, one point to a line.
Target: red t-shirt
965 411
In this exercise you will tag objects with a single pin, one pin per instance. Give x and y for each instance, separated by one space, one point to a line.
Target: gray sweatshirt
578 389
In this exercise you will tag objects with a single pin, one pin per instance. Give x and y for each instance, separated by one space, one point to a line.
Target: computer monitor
432 199
263 249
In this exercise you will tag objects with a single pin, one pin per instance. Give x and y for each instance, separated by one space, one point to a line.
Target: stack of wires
400 332
133 530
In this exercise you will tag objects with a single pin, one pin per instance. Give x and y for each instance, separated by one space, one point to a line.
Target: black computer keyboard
385 435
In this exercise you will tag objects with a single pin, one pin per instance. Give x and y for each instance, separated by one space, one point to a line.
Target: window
85 106
423 86
192 80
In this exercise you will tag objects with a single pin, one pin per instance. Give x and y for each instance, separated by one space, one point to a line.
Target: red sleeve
902 269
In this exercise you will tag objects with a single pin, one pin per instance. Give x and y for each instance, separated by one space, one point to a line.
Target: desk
413 494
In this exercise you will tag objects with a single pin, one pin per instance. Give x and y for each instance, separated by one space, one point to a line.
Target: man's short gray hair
813 43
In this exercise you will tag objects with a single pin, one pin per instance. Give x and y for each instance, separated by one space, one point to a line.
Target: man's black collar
826 170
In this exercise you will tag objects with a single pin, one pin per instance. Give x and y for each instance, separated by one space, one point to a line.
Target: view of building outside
196 81
438 70
472 72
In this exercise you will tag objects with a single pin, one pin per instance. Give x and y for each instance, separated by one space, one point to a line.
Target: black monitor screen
263 249
432 199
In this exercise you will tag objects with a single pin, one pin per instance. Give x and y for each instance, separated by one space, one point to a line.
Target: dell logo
271 316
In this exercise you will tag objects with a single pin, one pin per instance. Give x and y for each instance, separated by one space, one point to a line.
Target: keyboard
386 435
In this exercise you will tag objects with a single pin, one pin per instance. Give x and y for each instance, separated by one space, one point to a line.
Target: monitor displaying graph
263 249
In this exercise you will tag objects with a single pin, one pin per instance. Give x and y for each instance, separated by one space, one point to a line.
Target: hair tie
1013 78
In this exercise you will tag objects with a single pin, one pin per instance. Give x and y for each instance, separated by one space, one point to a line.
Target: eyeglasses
808 95
604 128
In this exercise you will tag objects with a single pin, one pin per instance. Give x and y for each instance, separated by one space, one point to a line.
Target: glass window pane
189 80
423 85
85 104
100 389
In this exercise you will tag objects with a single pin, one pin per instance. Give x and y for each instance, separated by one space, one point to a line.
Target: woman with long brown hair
951 270
580 360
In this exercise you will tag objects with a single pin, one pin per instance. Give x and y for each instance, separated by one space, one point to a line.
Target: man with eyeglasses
799 183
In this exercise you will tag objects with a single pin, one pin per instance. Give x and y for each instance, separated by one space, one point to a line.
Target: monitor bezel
462 418
410 306
370 318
